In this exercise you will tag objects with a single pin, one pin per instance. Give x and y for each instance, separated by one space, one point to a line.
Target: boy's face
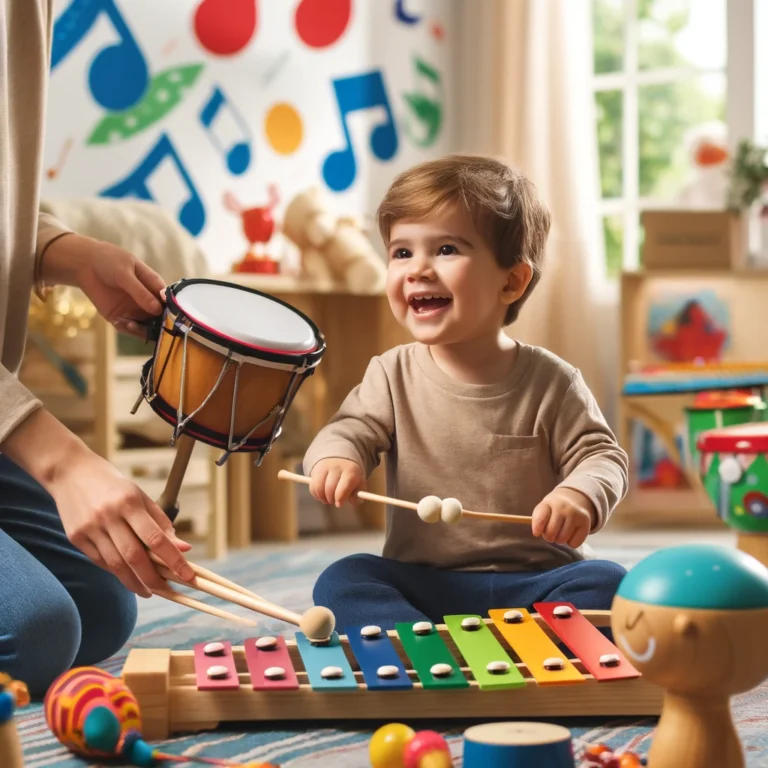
443 283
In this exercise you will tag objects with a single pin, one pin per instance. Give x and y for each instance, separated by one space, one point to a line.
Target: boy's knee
341 575
43 644
108 619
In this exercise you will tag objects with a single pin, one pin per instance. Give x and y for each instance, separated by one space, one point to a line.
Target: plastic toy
734 471
692 619
94 714
397 745
13 695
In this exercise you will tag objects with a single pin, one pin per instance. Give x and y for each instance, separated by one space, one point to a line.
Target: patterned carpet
285 575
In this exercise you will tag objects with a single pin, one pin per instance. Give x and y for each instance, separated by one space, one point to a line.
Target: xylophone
506 665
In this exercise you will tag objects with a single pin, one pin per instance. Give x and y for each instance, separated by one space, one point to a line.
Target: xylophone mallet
317 623
450 511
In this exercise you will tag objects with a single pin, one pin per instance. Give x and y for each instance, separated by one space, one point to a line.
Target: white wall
761 71
115 47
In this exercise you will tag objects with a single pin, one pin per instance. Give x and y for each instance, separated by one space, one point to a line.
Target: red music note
320 23
225 27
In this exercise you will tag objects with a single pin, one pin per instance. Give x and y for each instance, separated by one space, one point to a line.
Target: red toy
258 228
602 755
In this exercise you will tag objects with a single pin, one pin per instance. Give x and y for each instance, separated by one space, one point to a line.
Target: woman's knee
42 642
108 613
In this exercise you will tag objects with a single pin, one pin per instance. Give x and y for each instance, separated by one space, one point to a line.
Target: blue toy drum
518 745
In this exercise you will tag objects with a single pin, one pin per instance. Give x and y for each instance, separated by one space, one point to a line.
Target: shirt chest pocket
521 470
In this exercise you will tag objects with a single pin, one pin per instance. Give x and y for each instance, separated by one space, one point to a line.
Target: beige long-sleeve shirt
497 448
25 47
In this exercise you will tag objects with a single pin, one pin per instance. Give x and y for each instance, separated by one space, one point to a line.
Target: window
659 75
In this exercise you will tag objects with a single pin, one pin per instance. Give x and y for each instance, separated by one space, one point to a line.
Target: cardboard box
681 239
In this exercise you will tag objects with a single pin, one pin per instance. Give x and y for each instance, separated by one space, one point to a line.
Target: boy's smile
443 282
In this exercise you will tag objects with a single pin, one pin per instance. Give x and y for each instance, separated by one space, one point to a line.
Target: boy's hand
335 481
564 516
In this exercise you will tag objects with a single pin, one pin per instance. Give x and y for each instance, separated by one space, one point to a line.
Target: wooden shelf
288 284
744 290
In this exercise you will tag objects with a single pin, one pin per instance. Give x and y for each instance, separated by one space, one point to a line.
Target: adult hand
564 516
123 289
114 523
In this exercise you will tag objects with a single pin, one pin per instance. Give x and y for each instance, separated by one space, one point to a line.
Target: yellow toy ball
386 747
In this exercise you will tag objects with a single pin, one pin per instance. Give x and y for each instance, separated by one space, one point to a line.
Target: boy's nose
420 268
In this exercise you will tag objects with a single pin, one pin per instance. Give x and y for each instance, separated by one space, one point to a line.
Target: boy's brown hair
503 205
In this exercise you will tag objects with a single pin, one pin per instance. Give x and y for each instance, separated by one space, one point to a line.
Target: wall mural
195 104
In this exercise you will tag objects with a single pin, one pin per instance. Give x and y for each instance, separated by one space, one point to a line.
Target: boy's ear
518 280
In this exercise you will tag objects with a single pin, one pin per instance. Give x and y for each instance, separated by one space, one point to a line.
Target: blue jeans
367 589
57 609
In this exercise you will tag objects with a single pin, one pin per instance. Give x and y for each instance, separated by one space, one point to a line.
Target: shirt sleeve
362 429
49 228
16 403
586 452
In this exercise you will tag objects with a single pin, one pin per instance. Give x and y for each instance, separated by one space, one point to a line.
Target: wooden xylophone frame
165 684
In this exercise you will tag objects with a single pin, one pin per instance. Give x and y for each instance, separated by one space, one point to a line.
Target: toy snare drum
228 363
734 471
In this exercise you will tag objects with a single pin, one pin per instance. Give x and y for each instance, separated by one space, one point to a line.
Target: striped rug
285 575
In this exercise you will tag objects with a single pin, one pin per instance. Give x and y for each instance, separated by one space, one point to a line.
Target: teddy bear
333 249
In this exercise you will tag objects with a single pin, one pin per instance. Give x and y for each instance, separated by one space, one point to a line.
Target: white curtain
524 94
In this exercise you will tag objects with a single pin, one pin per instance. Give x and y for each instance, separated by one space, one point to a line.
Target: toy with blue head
694 619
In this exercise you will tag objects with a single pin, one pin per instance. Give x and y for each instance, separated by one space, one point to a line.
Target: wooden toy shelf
746 293
357 326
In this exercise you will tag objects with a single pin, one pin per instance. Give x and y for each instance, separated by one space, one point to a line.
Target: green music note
426 109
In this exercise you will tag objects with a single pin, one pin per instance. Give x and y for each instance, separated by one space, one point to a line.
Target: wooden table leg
239 468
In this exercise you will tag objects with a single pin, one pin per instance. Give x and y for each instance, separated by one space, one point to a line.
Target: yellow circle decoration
284 128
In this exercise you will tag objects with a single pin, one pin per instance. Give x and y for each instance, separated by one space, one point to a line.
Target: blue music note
402 15
118 76
239 153
191 213
353 94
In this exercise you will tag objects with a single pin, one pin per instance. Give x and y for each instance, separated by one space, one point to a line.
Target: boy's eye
401 253
447 250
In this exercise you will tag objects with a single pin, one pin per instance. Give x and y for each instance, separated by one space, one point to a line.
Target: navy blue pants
57 609
367 589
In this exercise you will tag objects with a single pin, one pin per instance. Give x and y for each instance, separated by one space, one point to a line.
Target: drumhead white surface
515 734
247 317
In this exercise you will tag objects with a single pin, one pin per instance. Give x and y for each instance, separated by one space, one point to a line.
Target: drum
723 408
734 471
518 745
227 364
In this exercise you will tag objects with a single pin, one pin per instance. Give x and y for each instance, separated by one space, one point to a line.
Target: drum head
248 318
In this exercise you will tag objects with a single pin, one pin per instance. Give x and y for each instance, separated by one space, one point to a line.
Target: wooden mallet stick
284 474
170 494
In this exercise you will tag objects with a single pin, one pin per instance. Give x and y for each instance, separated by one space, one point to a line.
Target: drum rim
311 356
735 439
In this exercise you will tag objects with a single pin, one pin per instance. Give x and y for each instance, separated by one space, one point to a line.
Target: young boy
470 413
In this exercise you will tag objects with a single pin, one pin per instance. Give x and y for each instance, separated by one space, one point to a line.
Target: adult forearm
42 446
64 259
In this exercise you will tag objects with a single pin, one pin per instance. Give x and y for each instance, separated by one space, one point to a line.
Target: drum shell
482 753
259 388
699 420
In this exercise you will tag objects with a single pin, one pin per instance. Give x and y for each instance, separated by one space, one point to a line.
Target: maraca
94 714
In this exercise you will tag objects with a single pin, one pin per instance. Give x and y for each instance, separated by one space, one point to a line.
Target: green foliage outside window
666 111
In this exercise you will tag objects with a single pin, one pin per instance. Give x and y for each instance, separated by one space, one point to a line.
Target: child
468 412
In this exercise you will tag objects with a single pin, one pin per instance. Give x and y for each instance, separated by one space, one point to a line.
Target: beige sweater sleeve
586 451
362 429
16 401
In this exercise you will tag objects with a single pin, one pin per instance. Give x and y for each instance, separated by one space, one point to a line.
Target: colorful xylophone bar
457 669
